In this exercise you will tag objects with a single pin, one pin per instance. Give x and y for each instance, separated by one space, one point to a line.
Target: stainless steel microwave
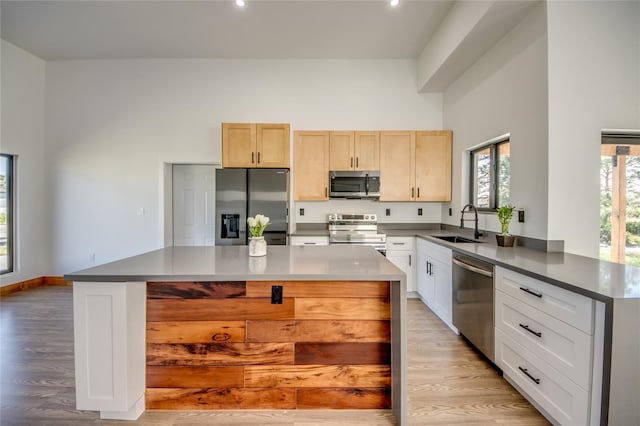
360 184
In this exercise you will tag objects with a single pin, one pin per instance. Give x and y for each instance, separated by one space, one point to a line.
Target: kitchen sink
455 239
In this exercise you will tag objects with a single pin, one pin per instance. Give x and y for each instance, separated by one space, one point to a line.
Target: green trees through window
491 175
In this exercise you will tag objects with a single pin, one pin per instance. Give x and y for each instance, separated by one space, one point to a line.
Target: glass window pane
6 255
504 174
482 178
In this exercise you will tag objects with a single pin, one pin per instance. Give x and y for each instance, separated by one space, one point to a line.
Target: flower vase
257 246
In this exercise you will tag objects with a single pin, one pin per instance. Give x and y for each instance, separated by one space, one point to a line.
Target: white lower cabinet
401 252
434 279
544 344
554 392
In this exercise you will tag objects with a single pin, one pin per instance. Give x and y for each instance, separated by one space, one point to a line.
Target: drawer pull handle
526 372
398 244
526 327
310 243
526 290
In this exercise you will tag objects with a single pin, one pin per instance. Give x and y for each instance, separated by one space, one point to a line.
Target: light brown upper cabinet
311 165
433 165
415 166
397 165
255 145
354 150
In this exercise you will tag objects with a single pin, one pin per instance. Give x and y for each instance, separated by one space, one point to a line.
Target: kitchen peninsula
212 328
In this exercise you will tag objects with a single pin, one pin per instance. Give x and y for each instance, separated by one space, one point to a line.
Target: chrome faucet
476 234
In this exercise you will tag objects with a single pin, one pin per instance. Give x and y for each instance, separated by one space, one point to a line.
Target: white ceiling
263 29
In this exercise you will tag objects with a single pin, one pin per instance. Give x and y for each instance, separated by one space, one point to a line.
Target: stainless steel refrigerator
241 193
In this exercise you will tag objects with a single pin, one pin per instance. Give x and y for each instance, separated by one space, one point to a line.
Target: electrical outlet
276 295
92 257
419 212
387 212
521 216
301 212
450 212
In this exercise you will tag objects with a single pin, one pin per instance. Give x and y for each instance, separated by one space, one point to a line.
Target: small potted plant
505 213
257 244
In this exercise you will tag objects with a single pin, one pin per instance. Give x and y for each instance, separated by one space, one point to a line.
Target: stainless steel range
361 229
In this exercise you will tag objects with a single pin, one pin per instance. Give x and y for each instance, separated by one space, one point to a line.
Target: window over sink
490 174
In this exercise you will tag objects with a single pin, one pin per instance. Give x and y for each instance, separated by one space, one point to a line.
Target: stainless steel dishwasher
473 302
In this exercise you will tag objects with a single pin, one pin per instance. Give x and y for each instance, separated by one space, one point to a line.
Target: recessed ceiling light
241 2
394 3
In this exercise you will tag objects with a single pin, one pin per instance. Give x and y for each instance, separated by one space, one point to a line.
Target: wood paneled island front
212 328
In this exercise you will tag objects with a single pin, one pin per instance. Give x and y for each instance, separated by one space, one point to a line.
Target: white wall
594 79
505 92
112 125
22 92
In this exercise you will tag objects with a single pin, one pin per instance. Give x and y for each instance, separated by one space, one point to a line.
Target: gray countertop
595 278
233 263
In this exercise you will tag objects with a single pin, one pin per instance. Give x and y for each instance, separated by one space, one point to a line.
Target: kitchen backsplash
316 212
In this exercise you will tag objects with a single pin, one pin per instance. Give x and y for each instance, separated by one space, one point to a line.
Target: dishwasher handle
472 268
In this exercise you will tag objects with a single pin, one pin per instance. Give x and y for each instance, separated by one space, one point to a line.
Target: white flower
264 220
252 222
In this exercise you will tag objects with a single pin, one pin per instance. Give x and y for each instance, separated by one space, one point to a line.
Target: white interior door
194 203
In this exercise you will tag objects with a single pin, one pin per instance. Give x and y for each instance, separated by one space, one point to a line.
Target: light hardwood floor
449 383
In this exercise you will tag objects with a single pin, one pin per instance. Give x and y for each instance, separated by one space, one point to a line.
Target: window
491 174
6 213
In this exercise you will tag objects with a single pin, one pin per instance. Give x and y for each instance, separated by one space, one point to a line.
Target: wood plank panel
196 331
344 398
317 376
194 377
343 353
338 308
320 288
196 290
187 354
218 309
318 331
220 399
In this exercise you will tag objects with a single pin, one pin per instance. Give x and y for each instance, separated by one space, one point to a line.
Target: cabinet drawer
309 240
435 251
400 243
565 348
572 308
564 400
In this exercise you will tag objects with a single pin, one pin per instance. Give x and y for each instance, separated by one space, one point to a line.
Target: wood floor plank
221 398
319 331
343 353
320 288
194 377
196 290
317 376
218 309
344 398
338 308
194 354
196 331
